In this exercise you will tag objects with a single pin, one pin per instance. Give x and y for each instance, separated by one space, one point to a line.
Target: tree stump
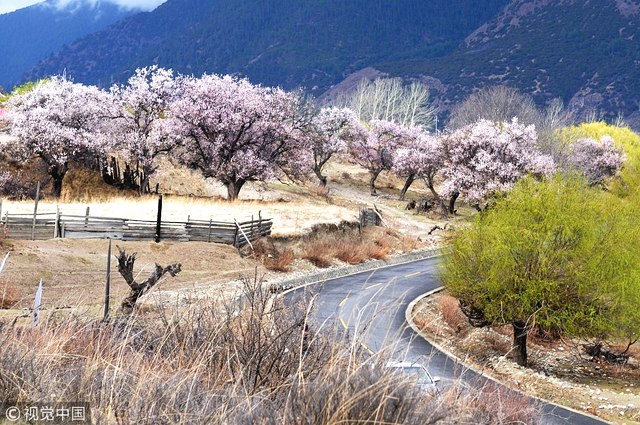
125 267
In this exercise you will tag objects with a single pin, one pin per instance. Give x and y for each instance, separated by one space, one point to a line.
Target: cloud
7 6
129 4
11 5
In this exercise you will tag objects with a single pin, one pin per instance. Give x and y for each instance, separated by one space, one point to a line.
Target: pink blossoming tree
597 160
420 157
59 121
331 130
137 130
235 131
487 158
376 151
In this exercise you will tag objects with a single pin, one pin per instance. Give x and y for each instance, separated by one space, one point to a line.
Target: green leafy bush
555 254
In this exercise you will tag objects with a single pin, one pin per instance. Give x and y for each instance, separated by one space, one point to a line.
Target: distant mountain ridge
311 43
585 51
30 34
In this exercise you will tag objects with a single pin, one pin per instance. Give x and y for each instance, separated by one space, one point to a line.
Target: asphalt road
370 307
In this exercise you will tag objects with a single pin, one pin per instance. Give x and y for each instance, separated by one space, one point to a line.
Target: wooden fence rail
53 225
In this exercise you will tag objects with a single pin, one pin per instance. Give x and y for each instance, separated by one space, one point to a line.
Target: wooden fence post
107 287
35 212
159 219
209 234
56 224
235 236
86 217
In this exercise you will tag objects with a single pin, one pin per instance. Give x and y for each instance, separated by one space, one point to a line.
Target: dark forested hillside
586 52
32 33
311 43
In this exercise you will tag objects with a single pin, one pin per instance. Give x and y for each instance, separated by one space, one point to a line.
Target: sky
11 5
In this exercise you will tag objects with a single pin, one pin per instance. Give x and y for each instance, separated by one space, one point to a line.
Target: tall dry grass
254 361
347 247
290 218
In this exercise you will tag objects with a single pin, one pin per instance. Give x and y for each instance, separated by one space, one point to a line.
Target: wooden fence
55 225
370 217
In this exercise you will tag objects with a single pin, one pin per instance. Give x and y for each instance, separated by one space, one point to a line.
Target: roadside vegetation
246 361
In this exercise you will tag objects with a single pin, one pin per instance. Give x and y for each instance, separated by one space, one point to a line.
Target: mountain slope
32 33
584 51
314 43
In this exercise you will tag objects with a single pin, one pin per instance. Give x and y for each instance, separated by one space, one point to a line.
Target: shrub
451 313
274 259
9 294
554 253
281 262
351 252
318 252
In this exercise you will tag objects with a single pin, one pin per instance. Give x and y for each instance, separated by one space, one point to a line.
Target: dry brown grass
281 262
289 218
321 192
351 252
451 313
318 252
347 246
253 363
9 294
380 249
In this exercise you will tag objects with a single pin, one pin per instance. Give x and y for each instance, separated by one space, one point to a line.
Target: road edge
297 283
409 319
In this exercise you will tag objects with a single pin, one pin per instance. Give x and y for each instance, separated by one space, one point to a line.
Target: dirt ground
73 271
559 371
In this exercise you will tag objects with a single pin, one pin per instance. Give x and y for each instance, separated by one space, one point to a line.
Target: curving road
371 306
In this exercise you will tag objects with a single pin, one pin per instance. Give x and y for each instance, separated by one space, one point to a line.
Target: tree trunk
233 189
520 343
57 174
444 211
407 184
372 182
323 179
452 202
137 290
144 187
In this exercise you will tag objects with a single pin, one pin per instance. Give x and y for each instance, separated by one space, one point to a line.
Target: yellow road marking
413 274
344 324
343 301
373 286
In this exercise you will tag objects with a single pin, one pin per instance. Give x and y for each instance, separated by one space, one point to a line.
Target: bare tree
125 267
389 99
554 118
497 104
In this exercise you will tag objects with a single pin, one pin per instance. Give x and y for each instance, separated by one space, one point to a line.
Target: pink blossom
329 133
376 150
486 158
235 131
597 160
59 121
138 129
